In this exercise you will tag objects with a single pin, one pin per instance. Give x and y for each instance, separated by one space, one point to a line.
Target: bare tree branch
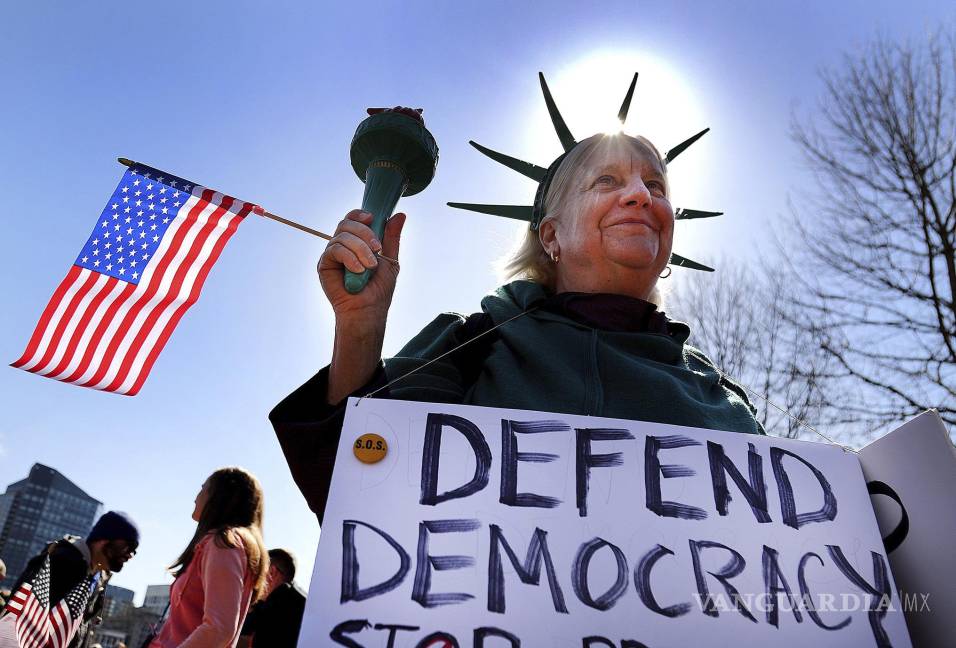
744 321
878 239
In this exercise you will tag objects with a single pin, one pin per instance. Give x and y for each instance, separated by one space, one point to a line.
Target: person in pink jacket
223 569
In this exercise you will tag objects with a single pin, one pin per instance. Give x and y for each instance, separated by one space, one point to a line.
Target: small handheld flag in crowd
141 269
35 624
67 615
29 606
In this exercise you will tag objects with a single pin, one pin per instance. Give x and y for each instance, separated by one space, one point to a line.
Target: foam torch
394 155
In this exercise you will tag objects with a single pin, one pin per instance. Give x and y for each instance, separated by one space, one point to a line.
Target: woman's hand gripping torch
394 155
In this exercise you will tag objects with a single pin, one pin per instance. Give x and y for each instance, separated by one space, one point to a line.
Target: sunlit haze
262 99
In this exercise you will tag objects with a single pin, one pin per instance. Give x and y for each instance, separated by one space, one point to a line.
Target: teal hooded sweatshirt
545 361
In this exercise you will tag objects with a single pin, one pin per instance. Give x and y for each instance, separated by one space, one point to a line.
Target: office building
157 598
37 510
131 626
115 600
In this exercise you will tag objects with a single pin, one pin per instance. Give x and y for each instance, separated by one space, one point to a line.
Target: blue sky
261 99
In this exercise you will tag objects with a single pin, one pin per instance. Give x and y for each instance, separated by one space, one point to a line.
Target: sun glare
589 94
665 109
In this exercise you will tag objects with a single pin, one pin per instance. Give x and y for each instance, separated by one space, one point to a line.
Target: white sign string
783 410
722 374
446 353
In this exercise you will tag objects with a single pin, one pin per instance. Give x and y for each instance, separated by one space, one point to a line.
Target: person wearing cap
579 330
112 541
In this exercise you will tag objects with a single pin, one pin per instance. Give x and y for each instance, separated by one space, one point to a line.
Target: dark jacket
275 622
598 355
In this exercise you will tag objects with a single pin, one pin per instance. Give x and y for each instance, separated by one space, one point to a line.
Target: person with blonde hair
578 331
223 568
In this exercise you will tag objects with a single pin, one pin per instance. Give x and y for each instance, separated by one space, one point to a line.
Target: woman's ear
548 235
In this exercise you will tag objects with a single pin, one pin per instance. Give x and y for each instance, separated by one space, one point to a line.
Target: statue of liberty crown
543 176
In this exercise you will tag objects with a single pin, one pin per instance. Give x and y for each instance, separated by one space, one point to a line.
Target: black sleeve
31 569
308 429
252 619
67 569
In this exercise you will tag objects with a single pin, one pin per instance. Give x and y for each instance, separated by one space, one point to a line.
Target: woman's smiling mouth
633 223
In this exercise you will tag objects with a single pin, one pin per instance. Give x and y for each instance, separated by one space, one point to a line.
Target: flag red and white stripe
64 622
38 626
33 628
30 605
105 332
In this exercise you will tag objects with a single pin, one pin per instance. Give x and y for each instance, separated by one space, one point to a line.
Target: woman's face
201 498
616 231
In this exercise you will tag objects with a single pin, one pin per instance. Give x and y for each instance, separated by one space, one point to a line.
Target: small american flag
66 617
141 269
30 604
37 626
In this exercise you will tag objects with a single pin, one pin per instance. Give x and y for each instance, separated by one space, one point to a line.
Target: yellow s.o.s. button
370 448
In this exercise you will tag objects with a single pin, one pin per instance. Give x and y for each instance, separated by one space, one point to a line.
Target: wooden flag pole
261 212
279 219
297 226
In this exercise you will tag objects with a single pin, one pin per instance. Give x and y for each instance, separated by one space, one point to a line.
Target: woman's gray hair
529 260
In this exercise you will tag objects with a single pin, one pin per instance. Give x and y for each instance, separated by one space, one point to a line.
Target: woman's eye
606 180
656 186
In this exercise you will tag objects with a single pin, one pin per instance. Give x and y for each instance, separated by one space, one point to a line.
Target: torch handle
384 185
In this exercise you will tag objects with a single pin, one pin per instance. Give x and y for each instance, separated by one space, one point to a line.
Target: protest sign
503 528
911 473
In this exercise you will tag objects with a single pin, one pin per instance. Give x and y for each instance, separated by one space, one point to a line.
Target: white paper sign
503 528
912 475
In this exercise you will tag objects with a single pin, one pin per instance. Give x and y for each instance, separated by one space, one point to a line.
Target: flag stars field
108 321
136 230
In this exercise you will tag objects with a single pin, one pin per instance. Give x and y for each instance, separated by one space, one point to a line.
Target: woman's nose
636 194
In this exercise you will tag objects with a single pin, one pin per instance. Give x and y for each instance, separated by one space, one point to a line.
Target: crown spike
622 113
517 212
532 171
564 134
684 262
680 148
687 214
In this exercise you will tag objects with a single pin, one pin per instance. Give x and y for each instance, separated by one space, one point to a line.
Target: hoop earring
669 271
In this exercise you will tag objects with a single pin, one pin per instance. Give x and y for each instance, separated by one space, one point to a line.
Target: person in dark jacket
112 541
274 621
579 332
